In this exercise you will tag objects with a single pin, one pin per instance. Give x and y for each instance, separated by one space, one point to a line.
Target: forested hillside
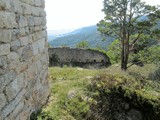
89 34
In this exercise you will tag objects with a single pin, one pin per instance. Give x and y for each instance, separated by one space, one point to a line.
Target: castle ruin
85 58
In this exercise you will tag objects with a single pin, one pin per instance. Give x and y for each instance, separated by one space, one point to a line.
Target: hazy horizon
73 14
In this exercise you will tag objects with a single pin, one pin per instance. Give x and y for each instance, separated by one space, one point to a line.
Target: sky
72 14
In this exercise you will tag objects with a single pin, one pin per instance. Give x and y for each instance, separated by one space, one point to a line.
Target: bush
156 74
77 107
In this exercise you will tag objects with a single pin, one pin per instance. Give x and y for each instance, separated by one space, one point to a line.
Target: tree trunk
125 54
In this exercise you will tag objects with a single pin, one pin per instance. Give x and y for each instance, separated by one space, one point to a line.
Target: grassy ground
75 92
65 84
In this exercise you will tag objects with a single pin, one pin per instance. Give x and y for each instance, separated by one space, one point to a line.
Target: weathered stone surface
16 6
38 3
41 44
16 111
42 13
3 100
15 45
14 87
43 3
26 8
4 49
24 40
3 65
5 36
31 2
22 21
38 20
11 106
30 21
13 59
5 5
27 52
23 58
6 79
8 20
78 57
35 12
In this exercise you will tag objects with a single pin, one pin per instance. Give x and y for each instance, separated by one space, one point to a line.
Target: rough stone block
14 87
11 106
3 65
5 5
41 44
15 45
8 20
37 36
15 34
16 6
4 49
26 53
43 3
24 40
42 13
6 79
5 36
31 2
35 11
3 100
44 21
38 3
16 111
22 21
31 21
38 20
13 59
35 47
22 32
26 8
38 28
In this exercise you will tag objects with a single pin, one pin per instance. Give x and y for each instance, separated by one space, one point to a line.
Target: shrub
156 74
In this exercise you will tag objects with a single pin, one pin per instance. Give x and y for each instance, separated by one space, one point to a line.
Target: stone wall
85 58
23 58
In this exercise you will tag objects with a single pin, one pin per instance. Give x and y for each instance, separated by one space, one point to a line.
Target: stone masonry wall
85 58
23 58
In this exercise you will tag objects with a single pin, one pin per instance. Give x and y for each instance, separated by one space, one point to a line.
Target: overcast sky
71 14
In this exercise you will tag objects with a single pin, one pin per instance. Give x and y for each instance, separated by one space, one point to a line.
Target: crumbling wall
85 58
23 58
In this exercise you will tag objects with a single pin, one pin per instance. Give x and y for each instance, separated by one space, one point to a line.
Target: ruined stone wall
23 58
86 58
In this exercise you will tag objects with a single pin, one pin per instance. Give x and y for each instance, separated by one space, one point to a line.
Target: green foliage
81 94
128 21
146 50
82 44
117 91
150 55
77 107
114 52
155 75
61 106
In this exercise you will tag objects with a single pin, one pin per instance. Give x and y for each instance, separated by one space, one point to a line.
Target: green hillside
103 94
89 34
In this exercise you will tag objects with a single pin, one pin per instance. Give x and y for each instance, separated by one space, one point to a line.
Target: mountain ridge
89 34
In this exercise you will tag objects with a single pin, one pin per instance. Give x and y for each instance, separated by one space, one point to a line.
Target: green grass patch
68 88
83 94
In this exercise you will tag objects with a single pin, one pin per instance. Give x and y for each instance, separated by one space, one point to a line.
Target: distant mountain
89 34
53 34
